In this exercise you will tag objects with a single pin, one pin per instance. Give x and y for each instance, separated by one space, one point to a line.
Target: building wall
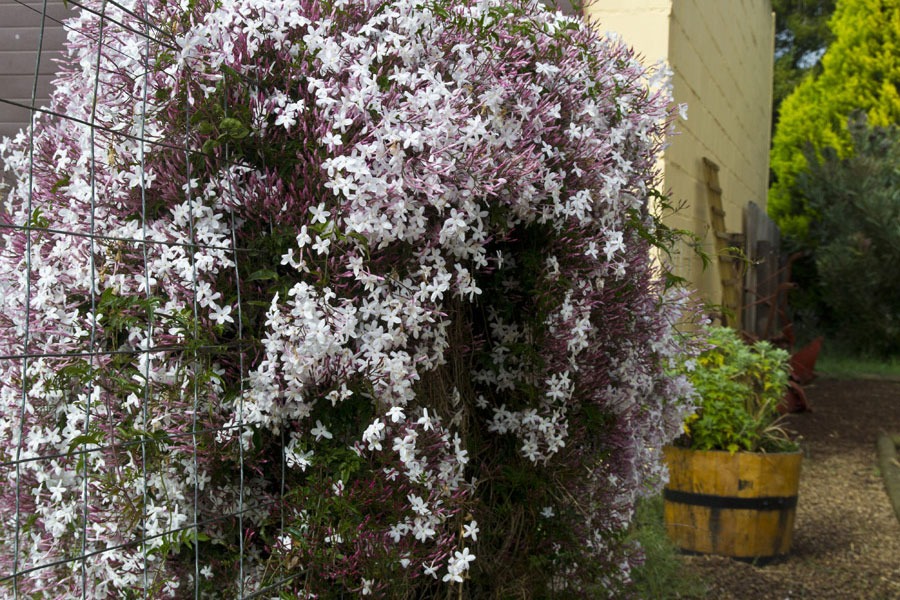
643 24
722 57
20 32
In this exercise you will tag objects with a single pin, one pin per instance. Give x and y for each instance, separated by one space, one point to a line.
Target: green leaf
259 303
209 146
38 220
233 129
84 440
263 275
61 183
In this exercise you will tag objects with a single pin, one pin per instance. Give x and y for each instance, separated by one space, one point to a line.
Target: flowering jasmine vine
322 298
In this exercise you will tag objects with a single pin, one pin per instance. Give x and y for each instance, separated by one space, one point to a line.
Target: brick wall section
20 29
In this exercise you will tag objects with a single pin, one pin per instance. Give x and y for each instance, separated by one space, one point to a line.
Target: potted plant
734 474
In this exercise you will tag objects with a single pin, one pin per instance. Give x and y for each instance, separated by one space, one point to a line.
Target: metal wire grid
150 32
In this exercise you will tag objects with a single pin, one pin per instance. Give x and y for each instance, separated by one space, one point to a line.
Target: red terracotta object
803 367
803 362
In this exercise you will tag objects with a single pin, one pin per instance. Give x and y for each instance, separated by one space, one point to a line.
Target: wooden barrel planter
740 505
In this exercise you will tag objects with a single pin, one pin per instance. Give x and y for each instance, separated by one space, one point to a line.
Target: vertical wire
93 277
281 492
240 334
192 248
283 479
27 332
145 420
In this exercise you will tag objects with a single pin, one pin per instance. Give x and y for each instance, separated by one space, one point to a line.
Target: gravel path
847 537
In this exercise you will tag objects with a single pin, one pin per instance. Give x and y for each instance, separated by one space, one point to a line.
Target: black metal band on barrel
730 502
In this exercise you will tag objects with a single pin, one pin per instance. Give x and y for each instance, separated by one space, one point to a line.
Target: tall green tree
860 71
801 38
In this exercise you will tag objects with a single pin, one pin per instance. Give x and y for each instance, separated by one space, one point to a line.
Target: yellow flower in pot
734 474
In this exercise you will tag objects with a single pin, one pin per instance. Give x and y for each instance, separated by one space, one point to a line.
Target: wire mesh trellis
102 363
125 357
169 363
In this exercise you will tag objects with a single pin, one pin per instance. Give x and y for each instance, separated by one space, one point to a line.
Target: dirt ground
847 537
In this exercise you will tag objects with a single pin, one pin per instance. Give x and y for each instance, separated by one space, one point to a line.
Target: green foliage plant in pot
734 474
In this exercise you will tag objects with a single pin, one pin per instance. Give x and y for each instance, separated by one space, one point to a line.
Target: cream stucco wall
643 24
722 55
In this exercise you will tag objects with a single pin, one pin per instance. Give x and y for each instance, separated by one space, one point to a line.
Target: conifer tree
860 71
801 38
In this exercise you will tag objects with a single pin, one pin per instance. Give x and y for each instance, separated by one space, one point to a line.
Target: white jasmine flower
418 505
320 432
471 530
366 587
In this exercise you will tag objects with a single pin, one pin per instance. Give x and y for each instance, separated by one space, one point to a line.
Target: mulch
847 536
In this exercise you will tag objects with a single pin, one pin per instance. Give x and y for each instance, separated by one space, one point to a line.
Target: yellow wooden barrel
740 505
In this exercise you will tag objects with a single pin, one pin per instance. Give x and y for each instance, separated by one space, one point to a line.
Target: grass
836 364
663 575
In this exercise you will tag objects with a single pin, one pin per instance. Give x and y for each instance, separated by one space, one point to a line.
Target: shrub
855 238
334 298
